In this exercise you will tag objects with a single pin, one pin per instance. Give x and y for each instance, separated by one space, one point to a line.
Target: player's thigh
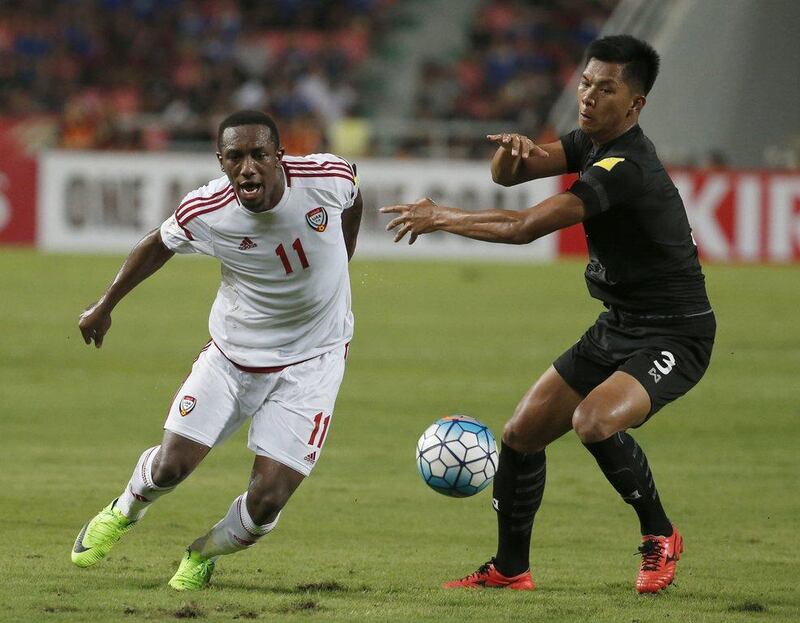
543 415
208 407
292 425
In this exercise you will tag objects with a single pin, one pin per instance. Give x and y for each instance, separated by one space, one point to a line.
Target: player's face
607 106
253 165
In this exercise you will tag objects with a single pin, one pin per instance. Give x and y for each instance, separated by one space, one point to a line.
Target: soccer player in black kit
652 344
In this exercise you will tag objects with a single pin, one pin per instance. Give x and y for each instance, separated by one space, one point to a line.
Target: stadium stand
519 58
152 74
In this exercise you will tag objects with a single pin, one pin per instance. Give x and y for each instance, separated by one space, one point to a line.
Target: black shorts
668 356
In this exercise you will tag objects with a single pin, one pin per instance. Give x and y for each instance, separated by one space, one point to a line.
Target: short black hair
249 117
640 59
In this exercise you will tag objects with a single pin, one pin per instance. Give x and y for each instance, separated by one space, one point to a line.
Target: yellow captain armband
608 163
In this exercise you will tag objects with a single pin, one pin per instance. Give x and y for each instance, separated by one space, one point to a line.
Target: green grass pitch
364 539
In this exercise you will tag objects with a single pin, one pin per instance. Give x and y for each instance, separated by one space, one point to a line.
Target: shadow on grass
748 606
322 587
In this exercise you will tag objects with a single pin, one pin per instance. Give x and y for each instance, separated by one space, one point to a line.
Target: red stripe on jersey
192 202
287 174
341 171
204 208
206 211
328 164
305 173
337 169
182 213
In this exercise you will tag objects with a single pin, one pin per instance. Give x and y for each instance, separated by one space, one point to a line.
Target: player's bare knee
592 424
169 471
516 437
265 504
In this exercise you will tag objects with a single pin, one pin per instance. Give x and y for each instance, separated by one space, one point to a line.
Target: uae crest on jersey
317 219
187 404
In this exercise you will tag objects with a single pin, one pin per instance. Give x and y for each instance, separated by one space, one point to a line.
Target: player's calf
624 464
233 533
516 496
142 489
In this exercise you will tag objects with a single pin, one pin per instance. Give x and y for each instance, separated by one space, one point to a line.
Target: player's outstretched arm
507 226
518 159
145 258
351 222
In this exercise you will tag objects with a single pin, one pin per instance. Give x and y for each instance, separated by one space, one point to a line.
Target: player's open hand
415 218
94 323
518 145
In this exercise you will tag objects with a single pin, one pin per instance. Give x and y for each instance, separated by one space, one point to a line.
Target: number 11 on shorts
317 422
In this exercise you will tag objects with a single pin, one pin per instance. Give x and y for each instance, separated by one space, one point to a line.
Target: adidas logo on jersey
311 458
247 244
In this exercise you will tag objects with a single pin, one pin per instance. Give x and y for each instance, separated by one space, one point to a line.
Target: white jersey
285 291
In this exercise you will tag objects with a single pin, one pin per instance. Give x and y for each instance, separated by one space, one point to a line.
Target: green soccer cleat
98 536
194 573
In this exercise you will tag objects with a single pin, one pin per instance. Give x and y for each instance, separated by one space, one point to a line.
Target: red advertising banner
736 216
17 185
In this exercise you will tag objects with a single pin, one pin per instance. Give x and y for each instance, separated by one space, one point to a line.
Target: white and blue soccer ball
457 456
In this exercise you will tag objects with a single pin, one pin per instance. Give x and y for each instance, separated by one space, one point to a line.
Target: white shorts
291 409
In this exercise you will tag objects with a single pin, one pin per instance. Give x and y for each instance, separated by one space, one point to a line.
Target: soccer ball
457 456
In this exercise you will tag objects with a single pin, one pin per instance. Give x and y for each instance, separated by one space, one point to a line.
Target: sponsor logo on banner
94 201
317 219
187 404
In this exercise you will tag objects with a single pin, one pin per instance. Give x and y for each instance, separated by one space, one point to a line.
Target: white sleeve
340 177
352 193
194 237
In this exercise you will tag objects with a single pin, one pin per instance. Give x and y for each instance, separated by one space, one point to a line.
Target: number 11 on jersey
301 254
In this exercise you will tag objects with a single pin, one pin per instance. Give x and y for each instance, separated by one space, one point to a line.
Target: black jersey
642 258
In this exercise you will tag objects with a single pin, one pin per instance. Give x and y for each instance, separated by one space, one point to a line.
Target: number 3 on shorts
664 368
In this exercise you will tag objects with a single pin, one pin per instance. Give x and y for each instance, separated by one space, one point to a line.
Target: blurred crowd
142 74
520 57
158 74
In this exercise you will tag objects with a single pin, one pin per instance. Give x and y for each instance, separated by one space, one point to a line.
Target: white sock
235 532
141 491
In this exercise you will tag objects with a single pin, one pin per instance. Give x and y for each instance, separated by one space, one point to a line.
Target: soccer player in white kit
283 229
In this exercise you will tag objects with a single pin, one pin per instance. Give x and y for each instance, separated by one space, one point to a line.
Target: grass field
364 539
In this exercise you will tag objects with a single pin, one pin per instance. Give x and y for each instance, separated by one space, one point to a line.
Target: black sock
624 464
517 495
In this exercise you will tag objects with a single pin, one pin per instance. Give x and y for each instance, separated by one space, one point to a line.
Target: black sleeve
607 183
576 145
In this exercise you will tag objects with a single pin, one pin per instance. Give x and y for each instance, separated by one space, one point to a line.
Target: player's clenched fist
518 145
94 323
417 218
